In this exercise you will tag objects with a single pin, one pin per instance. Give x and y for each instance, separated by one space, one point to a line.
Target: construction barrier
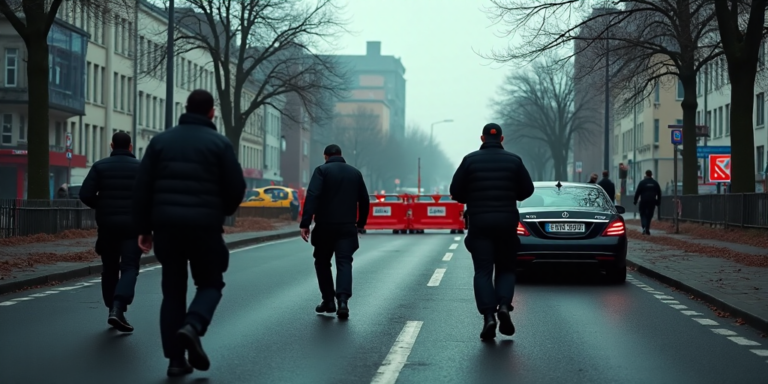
389 212
436 212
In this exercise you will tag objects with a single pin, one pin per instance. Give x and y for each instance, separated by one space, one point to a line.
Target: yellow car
273 196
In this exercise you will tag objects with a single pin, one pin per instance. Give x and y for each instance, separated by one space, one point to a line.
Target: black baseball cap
492 131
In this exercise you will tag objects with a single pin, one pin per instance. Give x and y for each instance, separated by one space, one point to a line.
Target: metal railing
746 210
30 217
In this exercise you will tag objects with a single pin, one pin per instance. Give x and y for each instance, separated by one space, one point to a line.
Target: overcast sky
445 79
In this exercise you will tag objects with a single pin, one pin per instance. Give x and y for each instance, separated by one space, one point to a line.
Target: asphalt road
408 323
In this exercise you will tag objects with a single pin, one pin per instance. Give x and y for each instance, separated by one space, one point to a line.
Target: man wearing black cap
189 182
490 182
338 199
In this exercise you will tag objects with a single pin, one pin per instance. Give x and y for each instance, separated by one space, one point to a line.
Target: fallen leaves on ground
48 284
703 250
740 321
747 236
30 261
46 238
257 224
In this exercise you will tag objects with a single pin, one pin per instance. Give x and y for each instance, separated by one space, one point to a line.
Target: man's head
121 140
648 173
492 133
605 174
200 102
331 151
593 178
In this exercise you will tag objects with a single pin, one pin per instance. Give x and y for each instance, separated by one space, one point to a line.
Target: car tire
616 274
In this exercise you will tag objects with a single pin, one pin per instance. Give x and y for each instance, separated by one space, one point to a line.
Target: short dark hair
648 173
199 102
605 173
121 140
332 150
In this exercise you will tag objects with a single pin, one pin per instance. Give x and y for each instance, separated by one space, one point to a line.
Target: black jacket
490 182
189 179
108 189
608 187
335 194
648 191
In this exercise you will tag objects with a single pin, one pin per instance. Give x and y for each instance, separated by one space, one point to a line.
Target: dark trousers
342 241
120 268
208 259
646 214
493 250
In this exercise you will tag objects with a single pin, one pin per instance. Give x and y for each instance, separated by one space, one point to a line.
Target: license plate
565 227
382 211
436 211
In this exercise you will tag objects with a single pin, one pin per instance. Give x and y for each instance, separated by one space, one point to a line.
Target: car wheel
616 274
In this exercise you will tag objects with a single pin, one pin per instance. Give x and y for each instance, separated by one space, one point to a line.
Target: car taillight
615 228
521 230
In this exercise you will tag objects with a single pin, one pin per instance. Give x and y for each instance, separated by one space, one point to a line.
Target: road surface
413 320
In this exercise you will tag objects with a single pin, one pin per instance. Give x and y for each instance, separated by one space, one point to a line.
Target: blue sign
704 152
677 137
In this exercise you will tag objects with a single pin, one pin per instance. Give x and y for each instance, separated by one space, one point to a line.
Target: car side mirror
620 209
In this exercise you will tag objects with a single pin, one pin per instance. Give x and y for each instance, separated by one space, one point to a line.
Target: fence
30 217
747 210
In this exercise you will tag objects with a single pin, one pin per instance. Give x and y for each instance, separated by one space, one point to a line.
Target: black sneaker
489 327
506 327
343 312
189 338
179 367
117 320
327 306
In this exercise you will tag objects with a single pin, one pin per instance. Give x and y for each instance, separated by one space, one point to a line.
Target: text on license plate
565 227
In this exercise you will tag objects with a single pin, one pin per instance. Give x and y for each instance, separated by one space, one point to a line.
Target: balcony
58 100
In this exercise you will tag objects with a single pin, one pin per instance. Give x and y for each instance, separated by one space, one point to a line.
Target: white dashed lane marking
730 335
7 303
397 357
436 277
453 246
447 256
457 238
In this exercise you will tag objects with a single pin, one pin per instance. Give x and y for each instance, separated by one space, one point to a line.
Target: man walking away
338 199
592 178
649 193
189 181
608 186
108 189
490 182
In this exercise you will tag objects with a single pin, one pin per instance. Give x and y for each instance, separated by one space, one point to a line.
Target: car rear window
567 197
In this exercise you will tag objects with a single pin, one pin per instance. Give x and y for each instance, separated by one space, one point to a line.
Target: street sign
397 181
69 155
720 168
677 136
578 167
69 140
704 152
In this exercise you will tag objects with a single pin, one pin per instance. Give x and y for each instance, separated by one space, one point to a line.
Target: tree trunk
742 132
234 134
690 161
39 130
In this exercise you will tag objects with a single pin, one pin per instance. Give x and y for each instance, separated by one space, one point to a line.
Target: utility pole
634 143
607 133
169 75
418 188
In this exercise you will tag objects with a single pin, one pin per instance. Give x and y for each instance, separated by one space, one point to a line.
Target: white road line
742 341
664 297
457 238
760 352
264 244
647 289
49 292
453 246
447 256
706 322
670 302
67 288
95 281
436 277
724 332
656 292
23 298
7 303
678 306
397 357
691 313
39 295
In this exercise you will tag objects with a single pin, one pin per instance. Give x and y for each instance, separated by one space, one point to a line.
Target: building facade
295 144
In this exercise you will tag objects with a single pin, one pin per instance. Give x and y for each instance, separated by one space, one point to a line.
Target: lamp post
431 135
169 76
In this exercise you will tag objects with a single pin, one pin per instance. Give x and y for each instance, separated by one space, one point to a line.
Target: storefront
13 171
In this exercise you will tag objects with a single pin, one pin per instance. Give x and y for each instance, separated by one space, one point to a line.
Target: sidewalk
733 278
80 260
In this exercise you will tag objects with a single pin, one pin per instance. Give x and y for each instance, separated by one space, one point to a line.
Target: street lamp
432 128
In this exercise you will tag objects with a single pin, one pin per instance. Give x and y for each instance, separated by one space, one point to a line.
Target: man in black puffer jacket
190 180
490 182
108 189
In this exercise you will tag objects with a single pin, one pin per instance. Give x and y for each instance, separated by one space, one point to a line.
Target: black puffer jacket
490 182
108 189
189 180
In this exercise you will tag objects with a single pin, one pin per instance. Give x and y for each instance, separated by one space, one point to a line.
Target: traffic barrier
436 212
389 212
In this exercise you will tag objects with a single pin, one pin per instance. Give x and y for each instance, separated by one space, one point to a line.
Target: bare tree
742 27
646 40
536 157
538 105
360 136
32 20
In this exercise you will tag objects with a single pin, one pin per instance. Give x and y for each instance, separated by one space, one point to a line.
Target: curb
89 270
752 320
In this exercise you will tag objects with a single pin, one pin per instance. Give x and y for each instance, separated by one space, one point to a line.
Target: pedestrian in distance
491 182
338 200
592 178
189 181
648 192
608 186
108 189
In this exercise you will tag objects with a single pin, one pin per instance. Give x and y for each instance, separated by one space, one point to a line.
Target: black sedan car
573 223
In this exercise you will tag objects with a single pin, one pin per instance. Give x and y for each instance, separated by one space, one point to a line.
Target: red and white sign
720 168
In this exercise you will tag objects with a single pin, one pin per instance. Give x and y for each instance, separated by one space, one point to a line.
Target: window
569 197
22 128
656 94
123 93
7 129
129 94
656 124
680 90
304 176
760 159
59 133
760 109
306 147
11 67
720 122
727 119
139 110
713 129
115 78
679 121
